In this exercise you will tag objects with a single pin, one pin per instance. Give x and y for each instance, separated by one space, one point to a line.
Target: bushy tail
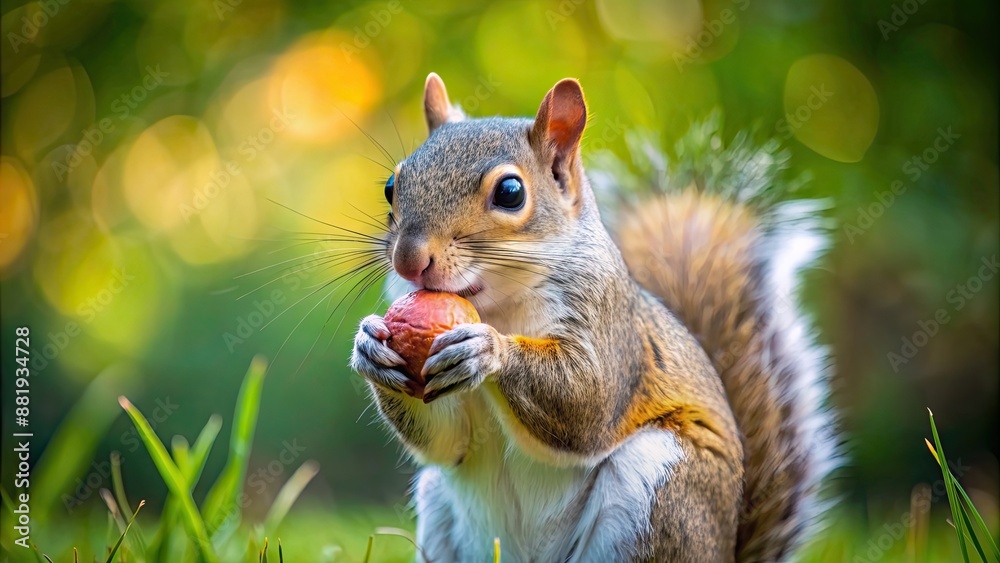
707 238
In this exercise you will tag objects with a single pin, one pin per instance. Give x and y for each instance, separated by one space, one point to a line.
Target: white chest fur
538 511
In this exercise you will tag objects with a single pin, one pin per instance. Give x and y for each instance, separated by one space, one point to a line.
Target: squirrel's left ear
437 109
560 121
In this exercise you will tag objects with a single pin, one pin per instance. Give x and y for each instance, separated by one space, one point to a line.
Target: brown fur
573 356
704 266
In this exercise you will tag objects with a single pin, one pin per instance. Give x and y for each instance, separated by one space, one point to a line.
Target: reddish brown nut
415 319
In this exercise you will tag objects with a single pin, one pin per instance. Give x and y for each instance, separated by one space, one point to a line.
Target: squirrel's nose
411 258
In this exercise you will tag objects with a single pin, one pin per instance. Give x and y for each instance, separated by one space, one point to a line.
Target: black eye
389 185
509 193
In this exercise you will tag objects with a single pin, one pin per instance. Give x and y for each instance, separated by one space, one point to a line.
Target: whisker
398 136
297 258
332 226
327 261
337 237
371 139
304 317
486 267
521 258
463 237
461 274
348 274
374 222
365 283
320 332
365 264
510 264
321 240
377 163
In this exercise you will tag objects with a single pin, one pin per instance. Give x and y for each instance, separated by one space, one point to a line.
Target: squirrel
591 417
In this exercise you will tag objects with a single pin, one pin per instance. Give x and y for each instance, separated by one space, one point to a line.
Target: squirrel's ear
561 118
437 109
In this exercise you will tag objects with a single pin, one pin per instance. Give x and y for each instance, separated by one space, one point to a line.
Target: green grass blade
368 550
223 496
135 541
71 449
401 533
195 464
180 451
971 534
949 488
979 521
117 484
118 544
202 447
173 478
289 492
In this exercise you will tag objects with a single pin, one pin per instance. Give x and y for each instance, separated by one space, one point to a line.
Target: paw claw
375 361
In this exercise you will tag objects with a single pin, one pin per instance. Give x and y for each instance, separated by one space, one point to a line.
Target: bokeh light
19 213
831 107
167 166
321 87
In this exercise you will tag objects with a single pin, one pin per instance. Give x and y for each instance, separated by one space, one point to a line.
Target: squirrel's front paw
374 360
461 359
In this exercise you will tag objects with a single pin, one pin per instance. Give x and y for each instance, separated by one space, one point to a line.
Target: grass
187 531
216 531
962 509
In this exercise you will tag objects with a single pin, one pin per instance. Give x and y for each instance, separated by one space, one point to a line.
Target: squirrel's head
477 208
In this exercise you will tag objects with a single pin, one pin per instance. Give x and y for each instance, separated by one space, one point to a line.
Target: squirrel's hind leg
695 515
435 518
615 523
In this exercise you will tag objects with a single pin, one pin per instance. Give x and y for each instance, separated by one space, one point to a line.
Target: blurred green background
156 157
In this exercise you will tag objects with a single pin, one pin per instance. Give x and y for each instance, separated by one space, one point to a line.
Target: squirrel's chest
542 512
498 491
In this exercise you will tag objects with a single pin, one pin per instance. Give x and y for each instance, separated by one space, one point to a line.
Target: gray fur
530 414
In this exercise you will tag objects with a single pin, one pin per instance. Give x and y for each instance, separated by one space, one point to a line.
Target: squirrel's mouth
469 291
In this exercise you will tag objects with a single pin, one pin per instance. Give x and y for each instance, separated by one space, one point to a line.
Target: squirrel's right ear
561 119
437 109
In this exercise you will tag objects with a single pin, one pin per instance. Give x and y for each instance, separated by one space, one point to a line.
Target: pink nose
411 258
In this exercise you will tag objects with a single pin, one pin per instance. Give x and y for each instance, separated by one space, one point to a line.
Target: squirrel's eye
389 185
509 193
